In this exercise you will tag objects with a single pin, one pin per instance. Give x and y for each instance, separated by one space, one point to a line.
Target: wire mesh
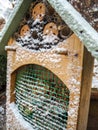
42 98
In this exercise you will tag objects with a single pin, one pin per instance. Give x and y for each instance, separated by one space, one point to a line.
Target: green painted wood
13 23
78 24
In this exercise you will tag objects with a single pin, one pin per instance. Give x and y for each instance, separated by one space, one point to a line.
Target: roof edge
78 25
13 23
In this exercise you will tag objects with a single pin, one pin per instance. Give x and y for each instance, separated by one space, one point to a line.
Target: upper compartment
41 28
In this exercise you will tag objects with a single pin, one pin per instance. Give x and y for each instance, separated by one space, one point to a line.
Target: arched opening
42 98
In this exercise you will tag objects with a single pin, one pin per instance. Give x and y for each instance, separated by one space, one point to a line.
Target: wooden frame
68 69
75 52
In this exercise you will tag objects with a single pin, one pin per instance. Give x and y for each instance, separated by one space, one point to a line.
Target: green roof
78 25
13 22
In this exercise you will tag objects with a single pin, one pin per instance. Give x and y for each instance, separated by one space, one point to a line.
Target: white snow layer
6 7
18 116
8 15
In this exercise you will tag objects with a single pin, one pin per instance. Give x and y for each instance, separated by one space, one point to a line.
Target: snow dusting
43 31
19 117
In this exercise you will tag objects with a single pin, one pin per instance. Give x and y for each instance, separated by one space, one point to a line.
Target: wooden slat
88 62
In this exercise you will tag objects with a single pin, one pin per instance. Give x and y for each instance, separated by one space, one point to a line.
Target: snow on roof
7 12
13 22
78 24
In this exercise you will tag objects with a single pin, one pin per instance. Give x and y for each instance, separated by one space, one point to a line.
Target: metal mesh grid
42 98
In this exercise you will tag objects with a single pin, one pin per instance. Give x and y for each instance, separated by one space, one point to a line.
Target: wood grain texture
88 62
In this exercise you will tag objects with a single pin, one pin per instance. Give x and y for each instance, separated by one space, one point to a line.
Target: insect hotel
48 71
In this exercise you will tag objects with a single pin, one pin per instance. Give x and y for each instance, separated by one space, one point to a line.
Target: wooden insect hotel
45 74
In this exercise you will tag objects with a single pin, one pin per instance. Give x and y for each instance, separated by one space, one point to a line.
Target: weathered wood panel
88 62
